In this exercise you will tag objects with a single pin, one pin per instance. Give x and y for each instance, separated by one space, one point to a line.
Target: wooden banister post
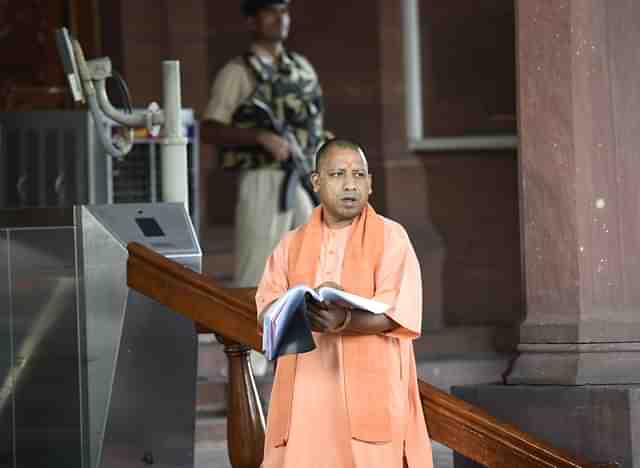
245 418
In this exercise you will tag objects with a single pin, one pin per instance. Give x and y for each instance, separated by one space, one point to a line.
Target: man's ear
370 184
315 181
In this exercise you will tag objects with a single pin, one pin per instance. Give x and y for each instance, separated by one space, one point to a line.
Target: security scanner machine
92 374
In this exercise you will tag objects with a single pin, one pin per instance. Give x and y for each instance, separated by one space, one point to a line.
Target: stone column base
576 364
598 423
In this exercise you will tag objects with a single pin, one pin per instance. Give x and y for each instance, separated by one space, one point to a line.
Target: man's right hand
277 146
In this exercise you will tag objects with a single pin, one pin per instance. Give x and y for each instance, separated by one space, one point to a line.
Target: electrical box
55 159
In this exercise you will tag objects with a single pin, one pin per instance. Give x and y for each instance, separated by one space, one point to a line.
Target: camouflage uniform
291 90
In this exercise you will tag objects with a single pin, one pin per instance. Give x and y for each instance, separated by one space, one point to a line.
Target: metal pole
173 144
412 70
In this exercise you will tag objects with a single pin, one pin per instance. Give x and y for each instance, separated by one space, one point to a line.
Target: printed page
359 302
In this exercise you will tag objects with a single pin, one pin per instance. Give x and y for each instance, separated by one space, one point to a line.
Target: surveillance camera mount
87 80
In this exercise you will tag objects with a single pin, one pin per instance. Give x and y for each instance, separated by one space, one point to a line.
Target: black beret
251 7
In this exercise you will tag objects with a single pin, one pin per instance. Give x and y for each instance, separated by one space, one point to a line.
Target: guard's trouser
259 224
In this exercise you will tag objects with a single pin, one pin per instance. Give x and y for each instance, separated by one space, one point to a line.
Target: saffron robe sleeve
399 283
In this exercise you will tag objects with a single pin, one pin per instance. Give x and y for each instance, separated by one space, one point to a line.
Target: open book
286 328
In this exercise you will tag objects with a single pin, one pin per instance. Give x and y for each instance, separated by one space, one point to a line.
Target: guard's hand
277 146
325 316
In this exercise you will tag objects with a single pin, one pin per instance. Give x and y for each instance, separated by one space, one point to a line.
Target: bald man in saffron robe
353 401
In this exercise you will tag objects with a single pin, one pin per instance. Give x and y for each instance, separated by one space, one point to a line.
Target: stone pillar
579 107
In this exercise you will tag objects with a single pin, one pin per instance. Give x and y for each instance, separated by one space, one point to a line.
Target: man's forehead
345 158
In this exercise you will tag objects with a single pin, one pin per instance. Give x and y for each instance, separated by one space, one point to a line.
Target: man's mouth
349 200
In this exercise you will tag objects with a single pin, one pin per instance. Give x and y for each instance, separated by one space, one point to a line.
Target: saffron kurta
319 428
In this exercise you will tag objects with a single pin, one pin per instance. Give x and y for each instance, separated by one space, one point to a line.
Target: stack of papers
286 328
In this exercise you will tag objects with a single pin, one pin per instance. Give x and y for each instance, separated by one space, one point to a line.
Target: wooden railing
231 314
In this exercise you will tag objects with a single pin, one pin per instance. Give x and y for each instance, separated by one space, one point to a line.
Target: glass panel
46 365
6 380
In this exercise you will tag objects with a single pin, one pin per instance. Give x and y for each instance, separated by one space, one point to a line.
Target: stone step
445 372
465 340
212 457
210 430
211 443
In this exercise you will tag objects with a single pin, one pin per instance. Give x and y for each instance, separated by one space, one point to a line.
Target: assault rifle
298 167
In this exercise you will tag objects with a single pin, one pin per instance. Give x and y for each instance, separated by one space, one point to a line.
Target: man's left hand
325 316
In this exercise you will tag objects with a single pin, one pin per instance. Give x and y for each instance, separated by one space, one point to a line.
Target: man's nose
349 182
